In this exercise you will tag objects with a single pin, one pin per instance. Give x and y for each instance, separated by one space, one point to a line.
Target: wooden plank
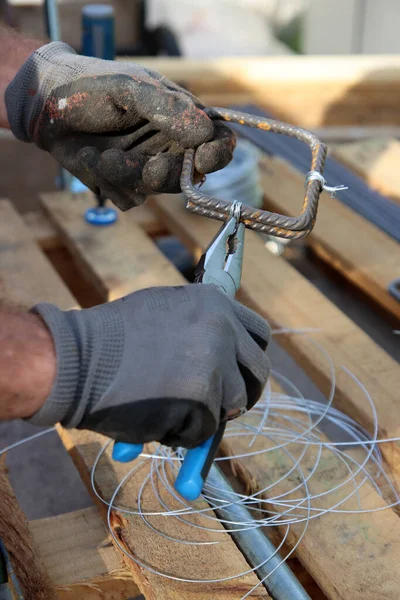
364 546
42 231
84 452
307 90
118 259
276 290
206 561
80 559
377 161
187 561
26 276
15 534
359 250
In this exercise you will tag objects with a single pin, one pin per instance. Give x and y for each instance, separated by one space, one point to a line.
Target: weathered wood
42 231
205 561
366 547
134 535
377 161
15 534
310 91
118 259
276 290
359 250
80 558
26 276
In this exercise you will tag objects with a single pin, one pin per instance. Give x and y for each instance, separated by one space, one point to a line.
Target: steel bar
257 219
372 205
281 583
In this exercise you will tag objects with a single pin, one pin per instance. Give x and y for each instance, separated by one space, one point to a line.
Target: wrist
28 364
16 49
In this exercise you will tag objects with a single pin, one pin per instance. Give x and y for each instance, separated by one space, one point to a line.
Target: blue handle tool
220 265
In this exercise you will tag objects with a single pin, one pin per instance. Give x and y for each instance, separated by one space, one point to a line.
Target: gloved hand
118 127
163 364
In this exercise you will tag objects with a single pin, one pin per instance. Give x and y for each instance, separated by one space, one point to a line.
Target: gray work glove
163 364
118 127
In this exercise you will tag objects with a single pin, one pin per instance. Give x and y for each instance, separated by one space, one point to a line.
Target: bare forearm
14 50
27 364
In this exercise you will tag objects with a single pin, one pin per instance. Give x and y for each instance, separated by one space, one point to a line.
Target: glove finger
117 174
172 112
161 174
254 366
257 327
170 421
234 390
216 154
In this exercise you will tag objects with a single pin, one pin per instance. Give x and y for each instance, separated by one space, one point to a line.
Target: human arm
120 128
163 364
14 51
27 363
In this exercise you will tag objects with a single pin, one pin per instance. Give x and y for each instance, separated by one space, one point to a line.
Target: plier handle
221 266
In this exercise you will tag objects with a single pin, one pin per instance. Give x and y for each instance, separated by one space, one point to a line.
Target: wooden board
276 290
85 445
314 551
26 276
15 534
377 161
307 90
80 559
364 546
42 231
359 250
118 259
135 536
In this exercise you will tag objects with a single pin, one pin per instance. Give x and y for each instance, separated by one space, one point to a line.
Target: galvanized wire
261 220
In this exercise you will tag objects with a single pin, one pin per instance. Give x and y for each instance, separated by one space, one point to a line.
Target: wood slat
42 231
187 561
309 91
376 160
118 259
30 572
364 546
359 250
276 290
26 276
80 559
84 445
314 551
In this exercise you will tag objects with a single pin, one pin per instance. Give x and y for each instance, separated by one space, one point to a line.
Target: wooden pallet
55 256
113 261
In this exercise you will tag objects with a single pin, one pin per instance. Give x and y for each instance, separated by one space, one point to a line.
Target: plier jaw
221 264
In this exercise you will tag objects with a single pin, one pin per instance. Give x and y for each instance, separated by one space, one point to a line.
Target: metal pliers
221 266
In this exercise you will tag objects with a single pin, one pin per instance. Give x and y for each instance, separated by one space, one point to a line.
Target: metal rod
53 21
256 547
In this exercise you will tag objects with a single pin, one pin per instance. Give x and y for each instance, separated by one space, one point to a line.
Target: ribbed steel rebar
260 220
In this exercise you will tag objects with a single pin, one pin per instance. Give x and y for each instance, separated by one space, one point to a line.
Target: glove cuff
89 346
24 96
64 390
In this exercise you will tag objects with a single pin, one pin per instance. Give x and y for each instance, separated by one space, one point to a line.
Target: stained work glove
164 364
118 127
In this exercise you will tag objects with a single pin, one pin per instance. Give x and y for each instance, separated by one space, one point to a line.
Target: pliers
221 266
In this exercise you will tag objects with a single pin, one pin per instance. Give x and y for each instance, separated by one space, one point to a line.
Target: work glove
163 364
118 127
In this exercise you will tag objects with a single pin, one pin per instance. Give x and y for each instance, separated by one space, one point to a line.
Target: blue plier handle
221 266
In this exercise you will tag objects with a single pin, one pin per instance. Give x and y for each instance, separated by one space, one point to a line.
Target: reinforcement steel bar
259 551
